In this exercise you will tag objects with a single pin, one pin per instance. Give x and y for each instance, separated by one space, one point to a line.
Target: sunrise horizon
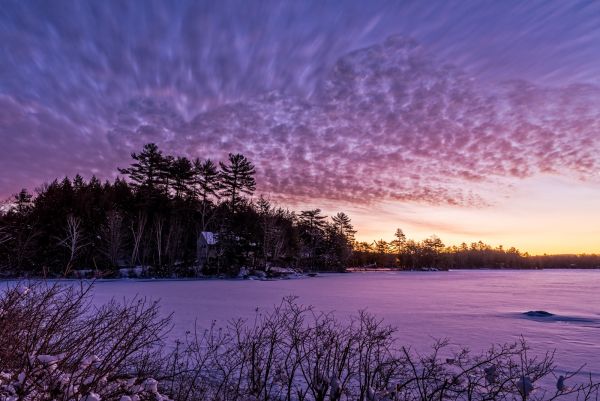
494 225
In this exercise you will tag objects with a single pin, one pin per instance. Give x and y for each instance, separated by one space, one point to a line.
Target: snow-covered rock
525 385
151 385
92 397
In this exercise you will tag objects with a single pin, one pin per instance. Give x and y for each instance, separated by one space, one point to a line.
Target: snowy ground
473 308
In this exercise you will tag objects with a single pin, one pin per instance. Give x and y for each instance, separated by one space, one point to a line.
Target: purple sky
446 107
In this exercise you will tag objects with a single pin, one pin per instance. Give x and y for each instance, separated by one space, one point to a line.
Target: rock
260 274
538 313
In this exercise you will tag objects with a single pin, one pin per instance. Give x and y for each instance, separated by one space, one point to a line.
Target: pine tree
312 225
149 169
313 220
206 179
23 202
207 185
181 174
343 226
398 245
237 178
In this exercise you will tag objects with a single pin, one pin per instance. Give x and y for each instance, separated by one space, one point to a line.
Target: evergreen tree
312 231
23 202
206 179
398 245
181 173
206 185
74 224
148 170
342 224
237 178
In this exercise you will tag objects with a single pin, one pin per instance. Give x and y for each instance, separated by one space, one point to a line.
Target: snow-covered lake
473 308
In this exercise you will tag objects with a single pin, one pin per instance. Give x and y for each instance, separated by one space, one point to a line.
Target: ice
471 308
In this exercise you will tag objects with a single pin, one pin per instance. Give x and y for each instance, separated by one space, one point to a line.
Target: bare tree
137 232
73 241
159 222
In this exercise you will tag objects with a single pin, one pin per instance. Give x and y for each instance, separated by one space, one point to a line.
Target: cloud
83 86
390 122
36 145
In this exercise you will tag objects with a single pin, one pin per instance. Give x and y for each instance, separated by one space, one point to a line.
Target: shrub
56 345
297 353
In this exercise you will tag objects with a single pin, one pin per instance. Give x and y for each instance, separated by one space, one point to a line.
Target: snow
472 308
132 272
49 359
92 397
282 270
151 385
209 237
43 375
23 290
525 385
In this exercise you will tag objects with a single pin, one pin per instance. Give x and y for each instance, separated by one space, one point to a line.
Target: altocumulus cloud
389 121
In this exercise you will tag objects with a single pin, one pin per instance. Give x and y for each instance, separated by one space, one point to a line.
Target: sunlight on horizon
544 214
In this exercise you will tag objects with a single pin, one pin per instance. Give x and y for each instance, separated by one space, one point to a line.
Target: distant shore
263 276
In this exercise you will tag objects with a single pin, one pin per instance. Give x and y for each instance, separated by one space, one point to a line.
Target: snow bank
48 378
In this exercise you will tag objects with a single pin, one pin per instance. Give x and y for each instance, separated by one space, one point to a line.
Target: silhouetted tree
311 224
398 246
344 227
207 185
237 178
23 202
153 219
112 236
148 170
182 175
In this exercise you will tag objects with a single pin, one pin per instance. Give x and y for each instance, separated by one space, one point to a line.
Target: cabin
206 247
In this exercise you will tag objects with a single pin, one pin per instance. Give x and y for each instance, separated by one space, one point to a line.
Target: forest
174 217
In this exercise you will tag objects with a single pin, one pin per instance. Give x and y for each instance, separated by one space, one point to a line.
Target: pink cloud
389 122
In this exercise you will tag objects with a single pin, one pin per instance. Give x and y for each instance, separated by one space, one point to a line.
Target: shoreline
297 276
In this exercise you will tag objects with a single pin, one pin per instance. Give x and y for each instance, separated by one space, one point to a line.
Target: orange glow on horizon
542 215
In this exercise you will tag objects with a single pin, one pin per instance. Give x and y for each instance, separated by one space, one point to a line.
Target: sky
472 120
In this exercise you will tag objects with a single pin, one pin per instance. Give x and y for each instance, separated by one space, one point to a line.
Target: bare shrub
55 345
296 353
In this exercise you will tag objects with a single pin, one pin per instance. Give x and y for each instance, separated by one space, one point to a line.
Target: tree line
408 254
156 217
172 216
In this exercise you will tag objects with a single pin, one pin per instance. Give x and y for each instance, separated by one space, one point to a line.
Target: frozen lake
473 308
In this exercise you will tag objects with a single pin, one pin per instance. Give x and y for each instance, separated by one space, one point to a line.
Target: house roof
209 237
